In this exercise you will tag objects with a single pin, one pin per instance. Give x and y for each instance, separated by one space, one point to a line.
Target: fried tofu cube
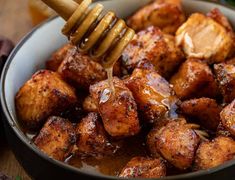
176 142
89 104
45 94
227 116
117 109
204 110
225 74
214 153
194 79
92 138
56 138
57 57
157 48
144 167
164 14
152 93
203 38
81 71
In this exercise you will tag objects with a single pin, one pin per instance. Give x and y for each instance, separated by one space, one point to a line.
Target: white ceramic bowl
30 55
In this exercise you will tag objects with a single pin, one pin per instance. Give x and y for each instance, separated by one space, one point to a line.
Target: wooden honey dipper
103 36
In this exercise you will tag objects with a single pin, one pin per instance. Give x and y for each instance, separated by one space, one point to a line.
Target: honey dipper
103 36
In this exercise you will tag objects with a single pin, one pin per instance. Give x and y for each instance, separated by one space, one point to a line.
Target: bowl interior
32 52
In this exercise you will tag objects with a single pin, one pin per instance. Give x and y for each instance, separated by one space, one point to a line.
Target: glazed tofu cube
81 71
157 48
214 153
176 142
117 109
56 138
194 79
164 14
92 140
227 116
225 75
152 93
205 111
57 57
203 38
144 167
45 94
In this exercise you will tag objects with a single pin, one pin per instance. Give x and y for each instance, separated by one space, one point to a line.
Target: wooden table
15 23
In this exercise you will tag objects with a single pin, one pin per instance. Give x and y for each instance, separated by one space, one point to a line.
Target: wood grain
14 18
8 163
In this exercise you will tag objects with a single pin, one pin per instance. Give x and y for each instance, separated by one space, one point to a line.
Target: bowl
30 55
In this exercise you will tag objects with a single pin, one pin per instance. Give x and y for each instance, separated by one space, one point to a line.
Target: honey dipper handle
64 8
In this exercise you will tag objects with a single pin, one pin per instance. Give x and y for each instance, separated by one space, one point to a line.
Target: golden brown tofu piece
204 110
157 48
92 140
89 104
118 110
57 57
214 153
194 79
176 142
227 116
203 38
164 14
225 74
144 167
152 93
56 138
81 71
69 50
45 94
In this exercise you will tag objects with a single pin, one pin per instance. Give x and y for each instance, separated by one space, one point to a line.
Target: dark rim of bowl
25 140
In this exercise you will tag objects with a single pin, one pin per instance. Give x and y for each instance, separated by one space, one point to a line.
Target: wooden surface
15 23
14 18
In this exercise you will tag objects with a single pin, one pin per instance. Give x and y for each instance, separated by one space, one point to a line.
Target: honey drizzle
109 71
